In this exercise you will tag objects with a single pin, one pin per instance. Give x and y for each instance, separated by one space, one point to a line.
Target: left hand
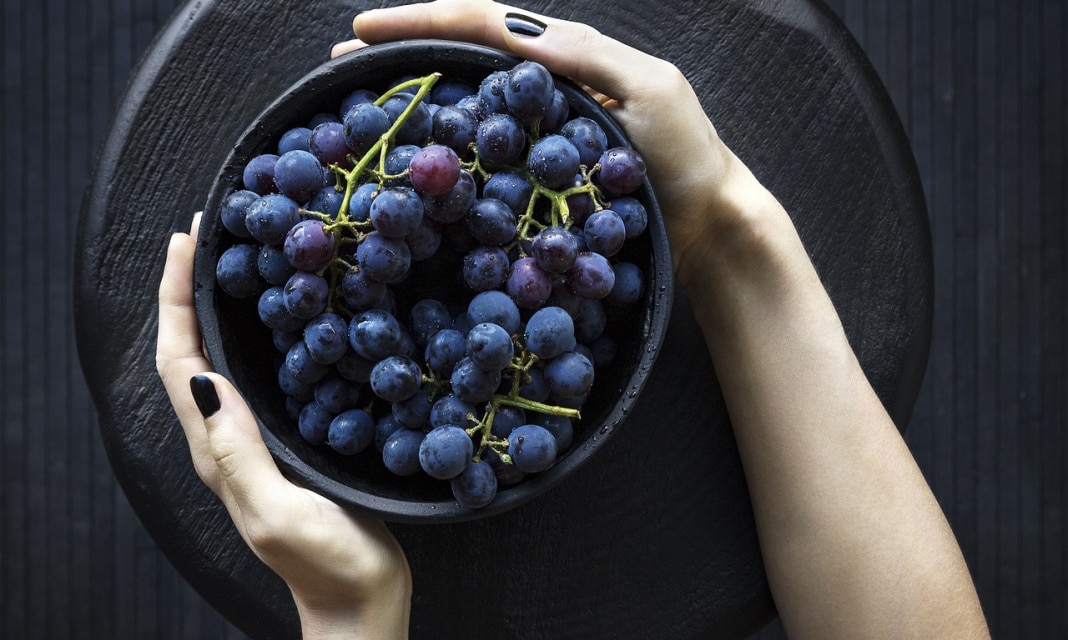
347 573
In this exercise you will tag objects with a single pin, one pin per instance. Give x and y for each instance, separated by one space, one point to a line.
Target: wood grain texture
75 560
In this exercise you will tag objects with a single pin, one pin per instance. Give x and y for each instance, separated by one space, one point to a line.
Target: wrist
384 615
739 224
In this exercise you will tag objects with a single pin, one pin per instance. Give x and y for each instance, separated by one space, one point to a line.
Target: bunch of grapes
437 264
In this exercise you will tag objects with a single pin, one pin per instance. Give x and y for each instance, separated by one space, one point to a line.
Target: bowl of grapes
439 276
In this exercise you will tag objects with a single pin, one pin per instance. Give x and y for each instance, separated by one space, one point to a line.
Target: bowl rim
427 52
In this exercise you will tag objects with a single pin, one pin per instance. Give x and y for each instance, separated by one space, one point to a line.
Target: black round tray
654 537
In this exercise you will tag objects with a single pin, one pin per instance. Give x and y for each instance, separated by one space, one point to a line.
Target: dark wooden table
654 537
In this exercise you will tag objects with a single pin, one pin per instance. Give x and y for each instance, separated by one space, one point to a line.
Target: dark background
980 87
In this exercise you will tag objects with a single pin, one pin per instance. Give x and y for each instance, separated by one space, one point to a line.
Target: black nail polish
204 395
522 25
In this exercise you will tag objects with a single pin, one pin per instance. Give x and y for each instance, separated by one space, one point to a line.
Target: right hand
697 179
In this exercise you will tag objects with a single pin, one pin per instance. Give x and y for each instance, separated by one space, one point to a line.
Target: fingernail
204 395
522 25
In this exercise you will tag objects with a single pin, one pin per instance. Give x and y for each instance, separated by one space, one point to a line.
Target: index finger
566 48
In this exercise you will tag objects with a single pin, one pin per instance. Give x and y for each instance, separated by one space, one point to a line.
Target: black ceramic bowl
240 345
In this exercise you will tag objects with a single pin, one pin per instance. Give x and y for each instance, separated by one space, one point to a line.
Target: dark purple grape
396 212
475 486
237 272
533 386
272 311
302 366
561 427
506 473
427 318
300 392
492 222
306 294
472 383
396 378
451 410
489 347
293 140
354 368
496 307
299 175
500 139
553 161
591 276
603 350
359 96
630 282
384 259
532 447
327 143
529 91
397 161
590 320
360 202
622 170
633 213
556 115
314 423
507 419
364 124
605 232
510 188
413 413
444 349
434 170
570 375
449 91
452 206
455 127
258 175
554 249
400 452
491 94
337 394
309 246
588 137
351 432
283 340
445 451
327 201
374 334
424 242
418 126
485 268
386 426
234 209
550 332
327 338
359 291
528 284
271 217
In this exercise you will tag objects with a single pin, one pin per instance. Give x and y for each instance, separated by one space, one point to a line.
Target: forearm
850 532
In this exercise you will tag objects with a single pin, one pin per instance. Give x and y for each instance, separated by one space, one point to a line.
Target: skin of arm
854 542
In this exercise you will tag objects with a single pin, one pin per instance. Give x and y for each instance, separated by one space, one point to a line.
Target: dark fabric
980 89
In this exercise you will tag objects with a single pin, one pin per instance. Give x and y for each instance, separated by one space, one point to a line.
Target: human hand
700 184
347 573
